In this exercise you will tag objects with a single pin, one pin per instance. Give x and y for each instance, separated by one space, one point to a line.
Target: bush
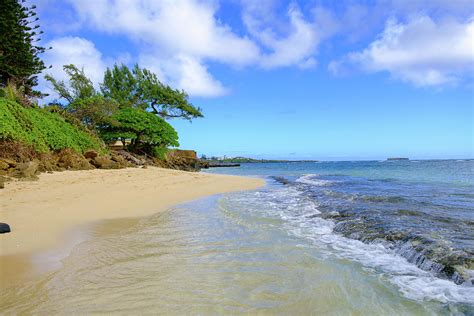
42 129
149 133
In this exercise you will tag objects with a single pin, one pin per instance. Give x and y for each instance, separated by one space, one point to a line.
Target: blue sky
329 80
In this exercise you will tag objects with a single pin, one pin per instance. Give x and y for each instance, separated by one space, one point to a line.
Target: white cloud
72 50
171 28
185 26
185 72
421 51
296 46
295 49
77 51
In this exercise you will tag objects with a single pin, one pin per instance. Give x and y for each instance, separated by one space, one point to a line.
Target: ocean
338 238
409 221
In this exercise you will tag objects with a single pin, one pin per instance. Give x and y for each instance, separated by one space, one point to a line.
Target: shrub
42 129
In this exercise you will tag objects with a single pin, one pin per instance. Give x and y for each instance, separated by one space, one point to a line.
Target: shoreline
42 213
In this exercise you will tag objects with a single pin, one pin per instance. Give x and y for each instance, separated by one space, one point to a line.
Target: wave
310 179
401 258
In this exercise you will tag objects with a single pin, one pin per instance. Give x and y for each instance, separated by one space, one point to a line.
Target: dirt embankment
23 162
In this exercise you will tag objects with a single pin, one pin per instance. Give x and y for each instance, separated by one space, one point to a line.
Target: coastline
41 213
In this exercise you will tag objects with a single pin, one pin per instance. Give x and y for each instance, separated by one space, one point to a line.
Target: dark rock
203 164
91 154
214 164
4 228
282 180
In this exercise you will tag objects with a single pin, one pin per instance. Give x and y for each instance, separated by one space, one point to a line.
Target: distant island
396 159
237 160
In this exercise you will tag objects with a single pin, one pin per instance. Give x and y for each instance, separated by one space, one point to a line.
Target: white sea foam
296 211
309 179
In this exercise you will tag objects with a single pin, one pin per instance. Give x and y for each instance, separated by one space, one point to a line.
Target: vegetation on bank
42 129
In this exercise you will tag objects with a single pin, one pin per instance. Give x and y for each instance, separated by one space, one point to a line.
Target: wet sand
42 214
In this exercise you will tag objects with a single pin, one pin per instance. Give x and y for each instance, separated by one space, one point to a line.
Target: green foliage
43 129
159 152
145 129
120 84
78 86
140 88
19 61
93 112
12 93
131 104
83 101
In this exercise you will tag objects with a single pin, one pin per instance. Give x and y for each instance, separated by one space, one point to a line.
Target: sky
326 80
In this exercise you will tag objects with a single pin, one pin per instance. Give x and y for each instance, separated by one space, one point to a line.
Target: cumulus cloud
185 72
76 50
290 44
170 28
421 51
294 49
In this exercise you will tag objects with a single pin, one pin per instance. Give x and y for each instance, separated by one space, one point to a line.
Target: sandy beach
40 213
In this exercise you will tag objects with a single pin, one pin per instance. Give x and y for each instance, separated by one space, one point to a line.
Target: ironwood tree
140 88
19 52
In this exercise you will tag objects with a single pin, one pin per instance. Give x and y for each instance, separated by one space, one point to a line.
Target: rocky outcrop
26 170
130 158
181 160
70 160
22 163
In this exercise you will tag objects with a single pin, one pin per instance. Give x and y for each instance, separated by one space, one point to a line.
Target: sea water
364 238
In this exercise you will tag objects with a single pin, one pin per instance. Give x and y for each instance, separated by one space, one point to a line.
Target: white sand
41 212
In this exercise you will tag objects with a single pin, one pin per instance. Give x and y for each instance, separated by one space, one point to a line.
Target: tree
82 100
78 86
148 132
19 60
140 88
